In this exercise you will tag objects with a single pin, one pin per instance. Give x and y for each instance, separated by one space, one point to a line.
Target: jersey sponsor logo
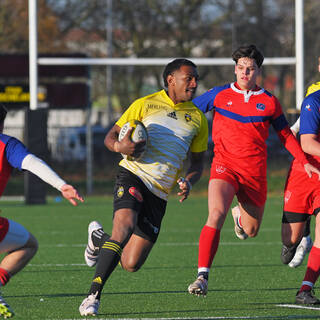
155 106
260 106
172 115
120 192
220 169
136 193
287 196
187 117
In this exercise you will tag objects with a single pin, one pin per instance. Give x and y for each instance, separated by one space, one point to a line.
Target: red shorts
4 227
301 193
248 189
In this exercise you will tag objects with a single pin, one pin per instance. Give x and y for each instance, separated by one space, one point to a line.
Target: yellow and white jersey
173 130
313 88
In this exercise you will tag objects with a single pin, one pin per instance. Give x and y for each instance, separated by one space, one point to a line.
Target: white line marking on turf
172 244
57 265
297 307
189 318
196 317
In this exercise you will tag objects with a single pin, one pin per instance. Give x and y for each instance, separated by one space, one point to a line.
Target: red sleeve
292 145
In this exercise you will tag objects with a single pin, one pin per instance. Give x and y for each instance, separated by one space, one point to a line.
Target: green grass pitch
247 280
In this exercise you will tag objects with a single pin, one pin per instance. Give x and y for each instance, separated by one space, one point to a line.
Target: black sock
204 274
97 235
109 256
307 228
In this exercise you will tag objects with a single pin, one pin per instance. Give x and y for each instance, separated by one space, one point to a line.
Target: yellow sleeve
134 112
200 141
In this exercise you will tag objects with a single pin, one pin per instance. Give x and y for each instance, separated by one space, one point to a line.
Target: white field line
57 265
168 231
173 244
198 318
187 318
294 306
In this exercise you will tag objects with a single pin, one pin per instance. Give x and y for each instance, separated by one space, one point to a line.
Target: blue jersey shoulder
205 102
310 114
15 150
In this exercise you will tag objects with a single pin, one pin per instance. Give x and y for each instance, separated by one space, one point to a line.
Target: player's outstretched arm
71 194
44 172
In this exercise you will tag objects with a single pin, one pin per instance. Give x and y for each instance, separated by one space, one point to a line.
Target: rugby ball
138 134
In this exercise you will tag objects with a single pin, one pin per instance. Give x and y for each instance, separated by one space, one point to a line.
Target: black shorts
131 192
294 217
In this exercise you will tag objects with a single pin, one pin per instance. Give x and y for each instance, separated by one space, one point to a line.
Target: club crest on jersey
136 193
220 169
155 229
308 107
172 115
229 104
120 192
287 196
187 117
260 106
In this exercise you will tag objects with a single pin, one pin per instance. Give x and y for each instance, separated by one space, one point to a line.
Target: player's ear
170 79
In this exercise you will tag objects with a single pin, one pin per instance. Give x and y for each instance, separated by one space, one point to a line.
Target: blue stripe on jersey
243 119
268 93
205 102
15 150
310 114
279 123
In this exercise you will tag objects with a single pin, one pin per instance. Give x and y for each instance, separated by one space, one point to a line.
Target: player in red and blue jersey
19 244
304 246
302 199
243 113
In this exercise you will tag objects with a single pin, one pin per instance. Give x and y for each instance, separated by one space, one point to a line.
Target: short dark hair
175 65
3 113
248 51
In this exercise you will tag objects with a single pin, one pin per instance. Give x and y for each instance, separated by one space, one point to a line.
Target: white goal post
298 60
153 61
34 61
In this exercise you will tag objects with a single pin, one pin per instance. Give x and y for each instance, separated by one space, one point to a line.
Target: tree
165 28
14 27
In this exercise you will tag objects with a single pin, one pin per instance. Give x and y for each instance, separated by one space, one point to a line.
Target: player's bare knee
216 218
130 266
32 245
251 232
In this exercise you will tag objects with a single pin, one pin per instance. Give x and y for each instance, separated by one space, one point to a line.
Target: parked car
70 143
